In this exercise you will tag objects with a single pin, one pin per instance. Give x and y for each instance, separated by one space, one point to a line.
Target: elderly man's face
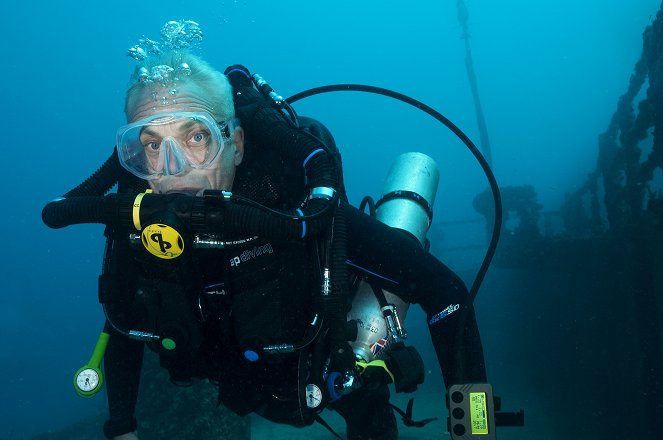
220 173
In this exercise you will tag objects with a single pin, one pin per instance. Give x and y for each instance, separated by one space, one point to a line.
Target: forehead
180 125
157 99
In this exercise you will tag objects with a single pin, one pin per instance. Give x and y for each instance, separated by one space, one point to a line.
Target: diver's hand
127 436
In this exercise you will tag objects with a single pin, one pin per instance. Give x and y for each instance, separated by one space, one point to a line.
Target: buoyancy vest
255 293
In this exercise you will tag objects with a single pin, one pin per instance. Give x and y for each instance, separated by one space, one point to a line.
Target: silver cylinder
413 172
373 339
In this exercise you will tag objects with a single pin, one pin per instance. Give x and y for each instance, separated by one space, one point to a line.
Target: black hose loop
497 225
368 200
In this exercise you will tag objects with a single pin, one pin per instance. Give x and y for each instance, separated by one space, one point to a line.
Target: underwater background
560 341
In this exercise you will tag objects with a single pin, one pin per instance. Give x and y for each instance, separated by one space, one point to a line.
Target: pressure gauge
88 381
313 395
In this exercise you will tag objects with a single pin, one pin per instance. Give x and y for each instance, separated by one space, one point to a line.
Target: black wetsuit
261 291
281 277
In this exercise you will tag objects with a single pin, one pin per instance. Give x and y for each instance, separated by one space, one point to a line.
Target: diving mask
170 143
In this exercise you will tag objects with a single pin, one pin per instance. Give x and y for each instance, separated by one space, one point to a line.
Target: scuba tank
406 203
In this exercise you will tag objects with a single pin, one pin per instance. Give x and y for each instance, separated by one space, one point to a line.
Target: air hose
213 213
101 181
497 198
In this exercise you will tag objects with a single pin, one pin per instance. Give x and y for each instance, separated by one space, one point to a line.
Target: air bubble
143 74
184 69
137 53
181 34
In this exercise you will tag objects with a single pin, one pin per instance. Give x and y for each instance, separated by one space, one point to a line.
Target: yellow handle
136 209
376 363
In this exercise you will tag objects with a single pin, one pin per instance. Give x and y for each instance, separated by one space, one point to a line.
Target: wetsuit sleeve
397 262
122 365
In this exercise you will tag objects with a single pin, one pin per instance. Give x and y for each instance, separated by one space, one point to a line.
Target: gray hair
215 86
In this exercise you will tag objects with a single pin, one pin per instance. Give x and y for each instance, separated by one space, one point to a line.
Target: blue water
549 73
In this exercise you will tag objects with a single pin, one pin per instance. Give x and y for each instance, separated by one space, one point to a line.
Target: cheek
225 173
216 178
223 179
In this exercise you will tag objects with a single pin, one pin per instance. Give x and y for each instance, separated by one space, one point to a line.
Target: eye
199 139
151 146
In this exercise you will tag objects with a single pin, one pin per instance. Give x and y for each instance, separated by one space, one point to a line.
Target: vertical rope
463 15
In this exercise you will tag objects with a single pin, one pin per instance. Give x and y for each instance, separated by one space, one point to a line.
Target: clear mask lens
168 144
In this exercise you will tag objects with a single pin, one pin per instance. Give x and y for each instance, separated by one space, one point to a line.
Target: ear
238 140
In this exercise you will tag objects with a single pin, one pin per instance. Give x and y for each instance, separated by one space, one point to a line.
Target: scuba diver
232 252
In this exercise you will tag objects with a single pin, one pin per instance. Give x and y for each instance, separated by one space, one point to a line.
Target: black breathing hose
101 181
200 214
497 225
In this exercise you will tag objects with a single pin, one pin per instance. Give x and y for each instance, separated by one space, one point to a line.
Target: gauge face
87 380
313 395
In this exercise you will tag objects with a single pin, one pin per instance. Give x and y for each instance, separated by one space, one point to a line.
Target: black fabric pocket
256 314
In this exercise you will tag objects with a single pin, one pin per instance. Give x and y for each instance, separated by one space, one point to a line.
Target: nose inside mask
174 161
